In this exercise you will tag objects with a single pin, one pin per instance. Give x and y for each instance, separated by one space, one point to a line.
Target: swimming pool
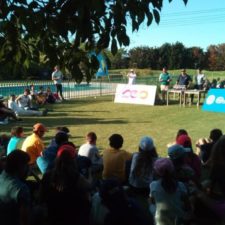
70 89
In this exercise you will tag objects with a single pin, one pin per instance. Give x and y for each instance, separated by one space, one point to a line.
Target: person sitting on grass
46 160
23 100
66 193
209 201
90 150
168 194
57 130
33 98
206 148
141 172
191 158
34 144
114 159
6 112
24 112
179 132
41 96
16 140
33 93
120 208
183 172
50 98
4 141
15 196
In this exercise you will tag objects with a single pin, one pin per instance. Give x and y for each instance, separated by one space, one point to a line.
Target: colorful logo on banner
103 68
215 101
135 94
131 93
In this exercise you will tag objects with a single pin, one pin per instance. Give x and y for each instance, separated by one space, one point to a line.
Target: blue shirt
184 80
58 76
14 143
169 206
46 161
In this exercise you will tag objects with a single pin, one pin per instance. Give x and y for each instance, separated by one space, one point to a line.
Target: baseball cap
184 140
163 165
176 151
146 144
39 127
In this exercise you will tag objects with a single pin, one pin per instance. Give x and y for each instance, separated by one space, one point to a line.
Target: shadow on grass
80 111
88 100
83 121
61 115
53 122
140 121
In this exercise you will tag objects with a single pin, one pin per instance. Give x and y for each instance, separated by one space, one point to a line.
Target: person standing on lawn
164 79
57 77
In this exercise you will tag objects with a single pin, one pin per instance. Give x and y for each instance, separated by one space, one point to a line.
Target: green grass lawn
105 117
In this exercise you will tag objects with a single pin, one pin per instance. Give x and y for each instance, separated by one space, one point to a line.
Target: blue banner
103 68
215 101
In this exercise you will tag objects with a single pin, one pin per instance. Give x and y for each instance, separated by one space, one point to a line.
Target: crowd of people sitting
77 185
27 104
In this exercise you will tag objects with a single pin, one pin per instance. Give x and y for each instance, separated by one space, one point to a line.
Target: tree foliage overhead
51 23
104 20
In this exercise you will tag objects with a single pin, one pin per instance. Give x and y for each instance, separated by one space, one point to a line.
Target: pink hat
184 140
68 148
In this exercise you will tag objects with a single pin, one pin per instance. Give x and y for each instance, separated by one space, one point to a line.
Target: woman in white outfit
131 77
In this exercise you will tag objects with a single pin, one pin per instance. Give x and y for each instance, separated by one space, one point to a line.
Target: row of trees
174 56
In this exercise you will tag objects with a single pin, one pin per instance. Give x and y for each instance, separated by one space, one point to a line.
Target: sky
200 23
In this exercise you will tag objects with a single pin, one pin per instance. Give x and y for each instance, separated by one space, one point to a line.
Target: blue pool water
7 90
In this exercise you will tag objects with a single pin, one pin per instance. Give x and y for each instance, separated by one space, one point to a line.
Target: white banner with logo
135 94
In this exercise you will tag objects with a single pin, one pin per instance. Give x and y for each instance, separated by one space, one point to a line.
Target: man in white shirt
199 80
90 151
19 111
57 77
23 100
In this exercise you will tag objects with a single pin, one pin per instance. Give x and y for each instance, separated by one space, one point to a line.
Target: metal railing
98 87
